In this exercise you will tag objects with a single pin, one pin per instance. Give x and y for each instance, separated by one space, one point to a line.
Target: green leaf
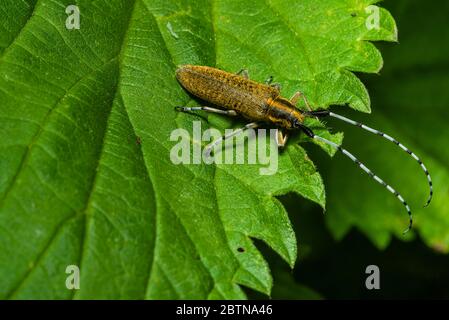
411 104
86 117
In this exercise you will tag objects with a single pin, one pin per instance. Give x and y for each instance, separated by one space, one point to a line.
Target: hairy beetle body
253 100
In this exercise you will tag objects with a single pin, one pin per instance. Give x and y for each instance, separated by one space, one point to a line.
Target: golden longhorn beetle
262 103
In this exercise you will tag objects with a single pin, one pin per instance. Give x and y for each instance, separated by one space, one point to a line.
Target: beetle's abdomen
227 90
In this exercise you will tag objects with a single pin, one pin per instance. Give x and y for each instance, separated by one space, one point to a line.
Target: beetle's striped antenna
321 113
310 133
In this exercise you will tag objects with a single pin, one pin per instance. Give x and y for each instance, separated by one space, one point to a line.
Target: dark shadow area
336 269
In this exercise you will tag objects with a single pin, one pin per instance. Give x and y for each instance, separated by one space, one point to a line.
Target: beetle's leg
296 96
269 81
277 86
208 109
281 138
244 73
212 145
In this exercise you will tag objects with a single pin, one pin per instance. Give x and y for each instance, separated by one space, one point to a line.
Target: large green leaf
85 120
411 100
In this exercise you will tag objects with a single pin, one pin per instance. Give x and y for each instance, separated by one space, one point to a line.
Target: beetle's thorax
283 113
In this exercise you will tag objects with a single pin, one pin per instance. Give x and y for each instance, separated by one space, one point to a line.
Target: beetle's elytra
237 95
252 100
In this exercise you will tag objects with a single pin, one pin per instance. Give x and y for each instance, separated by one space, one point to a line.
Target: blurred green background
410 100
